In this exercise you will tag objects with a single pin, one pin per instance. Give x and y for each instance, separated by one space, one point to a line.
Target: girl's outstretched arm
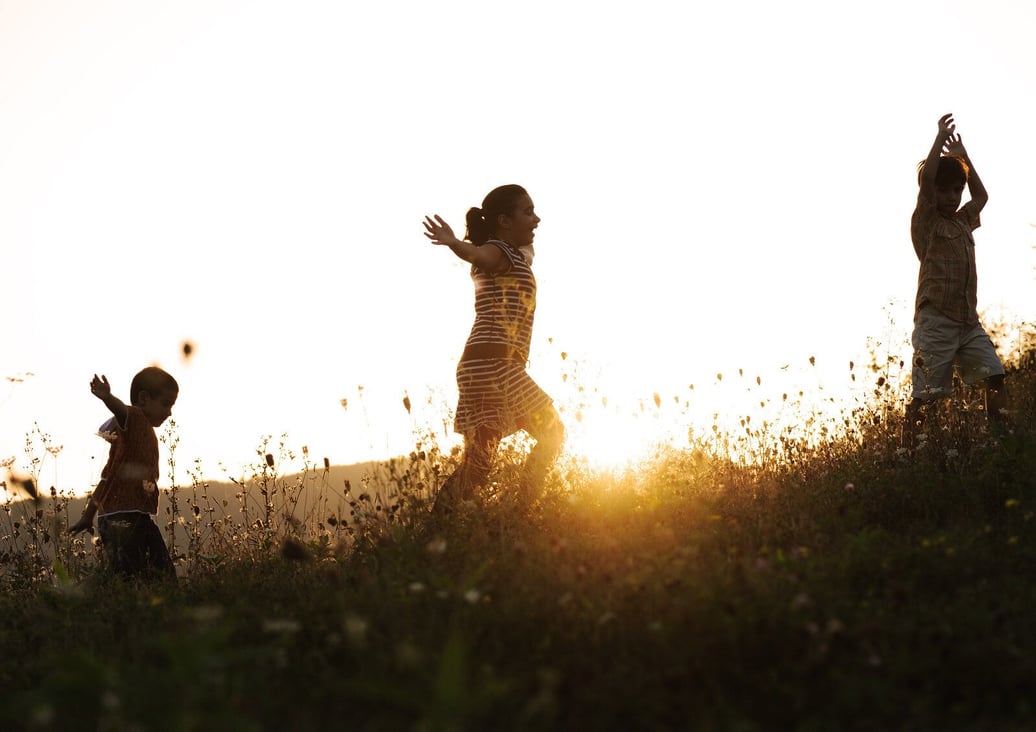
487 259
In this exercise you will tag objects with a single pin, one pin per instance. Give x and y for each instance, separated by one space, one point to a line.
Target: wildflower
849 487
26 484
356 629
7 462
416 587
436 546
951 453
472 596
283 626
269 459
408 656
801 600
406 402
1012 503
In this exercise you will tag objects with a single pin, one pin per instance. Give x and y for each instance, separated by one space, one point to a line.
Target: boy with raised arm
127 495
947 332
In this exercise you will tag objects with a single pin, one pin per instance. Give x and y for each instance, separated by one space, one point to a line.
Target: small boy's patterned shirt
129 481
945 246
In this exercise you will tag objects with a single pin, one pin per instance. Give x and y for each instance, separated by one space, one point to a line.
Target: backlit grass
754 577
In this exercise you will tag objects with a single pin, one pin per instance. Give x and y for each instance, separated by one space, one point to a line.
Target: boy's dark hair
154 381
951 172
482 221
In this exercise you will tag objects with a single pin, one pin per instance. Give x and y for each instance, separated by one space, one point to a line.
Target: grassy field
821 585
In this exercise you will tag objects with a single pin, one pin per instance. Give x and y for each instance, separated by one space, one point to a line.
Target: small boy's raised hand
100 387
946 126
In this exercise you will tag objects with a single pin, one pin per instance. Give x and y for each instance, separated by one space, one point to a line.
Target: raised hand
954 146
439 231
100 387
946 126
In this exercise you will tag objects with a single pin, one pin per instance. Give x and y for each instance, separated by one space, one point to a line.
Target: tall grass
800 574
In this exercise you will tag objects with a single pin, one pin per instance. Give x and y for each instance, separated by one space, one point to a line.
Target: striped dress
495 390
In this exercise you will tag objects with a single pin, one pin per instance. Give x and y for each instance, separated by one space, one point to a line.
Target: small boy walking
947 333
127 495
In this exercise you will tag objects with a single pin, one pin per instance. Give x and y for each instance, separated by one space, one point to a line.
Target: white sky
722 185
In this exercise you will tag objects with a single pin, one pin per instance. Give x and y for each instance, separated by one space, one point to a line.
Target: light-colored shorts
942 344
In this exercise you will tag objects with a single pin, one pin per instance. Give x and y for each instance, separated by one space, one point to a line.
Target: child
128 489
947 332
496 395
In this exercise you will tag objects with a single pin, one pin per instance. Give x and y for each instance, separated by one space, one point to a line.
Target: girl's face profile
519 228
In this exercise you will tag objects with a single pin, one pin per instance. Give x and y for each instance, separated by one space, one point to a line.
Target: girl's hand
439 231
100 387
946 126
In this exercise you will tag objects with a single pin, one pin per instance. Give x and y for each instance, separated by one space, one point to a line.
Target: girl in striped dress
497 395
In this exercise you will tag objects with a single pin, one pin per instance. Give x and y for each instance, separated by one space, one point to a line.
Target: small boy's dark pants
134 545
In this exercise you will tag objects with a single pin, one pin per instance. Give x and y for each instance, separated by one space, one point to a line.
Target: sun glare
612 442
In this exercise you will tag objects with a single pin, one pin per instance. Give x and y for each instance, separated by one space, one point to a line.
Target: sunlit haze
723 186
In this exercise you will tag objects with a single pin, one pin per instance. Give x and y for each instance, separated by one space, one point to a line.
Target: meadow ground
820 584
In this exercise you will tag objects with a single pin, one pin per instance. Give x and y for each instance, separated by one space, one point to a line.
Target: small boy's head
952 172
154 391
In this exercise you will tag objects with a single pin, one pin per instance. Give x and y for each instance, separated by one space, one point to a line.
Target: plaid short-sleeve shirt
947 279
